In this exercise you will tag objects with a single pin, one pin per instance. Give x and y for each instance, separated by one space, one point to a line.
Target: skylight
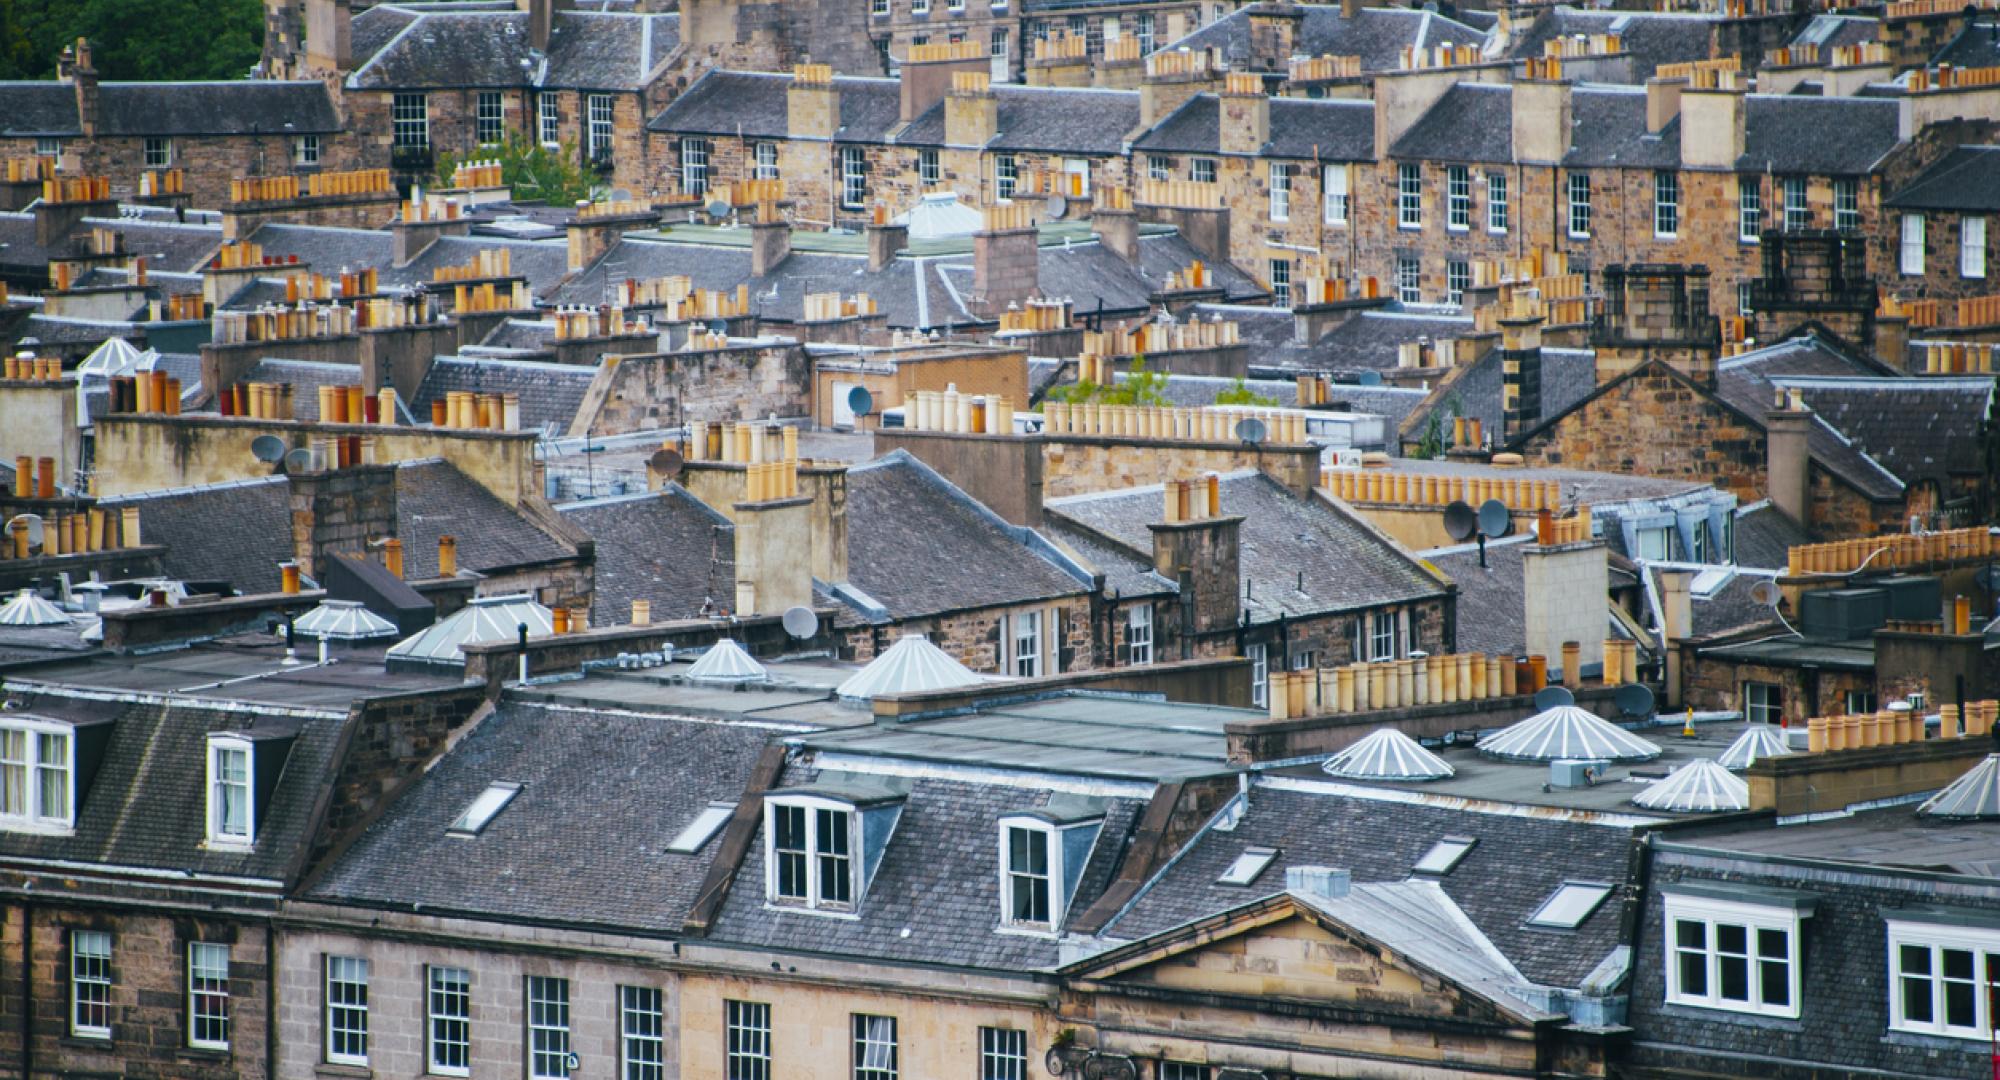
1247 866
704 826
1444 855
483 809
1570 905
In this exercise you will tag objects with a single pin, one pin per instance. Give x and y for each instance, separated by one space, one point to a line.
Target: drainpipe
270 1000
27 988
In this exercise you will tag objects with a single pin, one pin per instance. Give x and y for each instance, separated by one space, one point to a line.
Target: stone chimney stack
1541 114
884 241
1788 460
770 240
541 20
1171 79
1712 108
340 512
1564 592
74 67
812 103
1676 624
971 112
1006 257
1245 114
774 544
329 36
1116 224
1521 374
928 71
1663 103
1200 548
1656 311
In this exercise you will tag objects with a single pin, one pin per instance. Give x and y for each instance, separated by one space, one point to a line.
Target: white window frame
1983 944
220 835
817 897
1409 196
493 119
207 993
1006 175
878 8
159 152
1147 32
1910 249
1972 246
1281 191
90 982
48 146
1457 198
1797 203
1457 279
642 1033
1754 919
875 1057
1023 634
549 1037
764 161
1139 634
1159 167
1077 168
447 1020
1281 282
346 973
1577 188
1496 202
1758 708
1260 673
1381 636
1846 203
1335 199
600 112
694 157
1015 876
306 151
410 120
999 43
1666 205
746 1040
1003 1054
930 173
1202 170
549 119
1749 208
1409 280
31 771
954 5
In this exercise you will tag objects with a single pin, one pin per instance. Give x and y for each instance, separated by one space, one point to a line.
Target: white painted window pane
1571 904
704 826
487 804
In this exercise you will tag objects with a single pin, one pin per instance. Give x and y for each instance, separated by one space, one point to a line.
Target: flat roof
1594 488
247 668
1789 651
799 693
1050 234
1893 837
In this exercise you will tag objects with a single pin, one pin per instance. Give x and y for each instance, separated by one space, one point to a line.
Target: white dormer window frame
37 777
1022 837
818 867
227 827
1733 956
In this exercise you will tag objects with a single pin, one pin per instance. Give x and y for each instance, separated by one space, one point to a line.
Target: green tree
532 170
133 39
1239 393
1140 386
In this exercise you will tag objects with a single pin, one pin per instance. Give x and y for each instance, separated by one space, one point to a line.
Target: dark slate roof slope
1518 862
1787 134
665 547
145 806
753 104
550 394
29 109
1608 130
1916 428
244 107
920 547
1471 122
1376 35
1062 119
1748 383
1765 536
1652 38
1331 129
923 908
434 499
1976 46
1828 31
1491 610
585 839
1475 392
1968 178
1344 564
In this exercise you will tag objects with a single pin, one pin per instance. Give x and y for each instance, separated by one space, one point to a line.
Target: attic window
702 828
1247 866
37 767
484 808
1569 905
230 823
1042 856
1444 855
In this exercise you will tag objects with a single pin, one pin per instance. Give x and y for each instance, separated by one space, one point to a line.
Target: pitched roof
550 394
1517 862
752 104
1330 129
130 109
450 49
1053 118
1344 564
1376 35
1652 38
919 546
1476 391
584 841
1764 536
1976 45
1786 134
1492 610
1471 122
665 547
1967 178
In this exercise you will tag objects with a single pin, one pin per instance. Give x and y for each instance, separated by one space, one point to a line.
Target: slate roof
1608 130
666 547
1787 134
1730 607
1331 129
1491 600
1127 571
585 839
920 547
1967 178
752 104
1346 565
306 377
1471 122
550 394
1568 376
1066 119
449 49
1764 536
330 250
167 246
1369 340
1652 38
145 807
433 499
949 907
1828 30
1376 35
1515 866
1977 45
242 107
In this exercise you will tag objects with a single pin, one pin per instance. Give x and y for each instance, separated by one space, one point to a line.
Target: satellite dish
33 522
621 195
1633 699
1251 430
1553 697
718 327
1460 521
1765 591
1056 207
299 461
1494 520
268 448
1370 378
717 208
860 401
800 622
666 461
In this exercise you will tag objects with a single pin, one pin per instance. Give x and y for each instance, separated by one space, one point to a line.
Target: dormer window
37 773
1042 855
823 844
243 770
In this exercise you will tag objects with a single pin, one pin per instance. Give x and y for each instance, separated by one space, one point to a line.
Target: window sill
86 1042
1458 228
347 1072
1770 1021
1409 228
1928 1040
203 1053
1490 231
1666 236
